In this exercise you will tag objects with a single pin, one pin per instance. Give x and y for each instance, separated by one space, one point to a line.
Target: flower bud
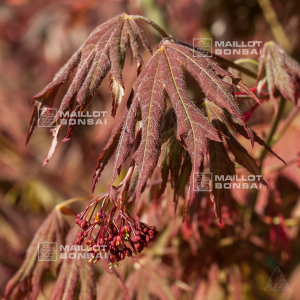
136 238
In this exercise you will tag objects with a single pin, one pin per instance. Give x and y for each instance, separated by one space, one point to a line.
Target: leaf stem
287 123
153 24
275 26
70 201
273 129
252 196
246 60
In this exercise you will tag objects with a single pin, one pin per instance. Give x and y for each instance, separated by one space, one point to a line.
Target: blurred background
195 260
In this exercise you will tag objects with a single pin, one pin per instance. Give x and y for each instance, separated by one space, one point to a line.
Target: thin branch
286 123
273 129
154 25
70 201
275 26
220 59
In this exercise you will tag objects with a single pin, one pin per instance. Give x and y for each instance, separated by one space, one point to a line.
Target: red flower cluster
119 237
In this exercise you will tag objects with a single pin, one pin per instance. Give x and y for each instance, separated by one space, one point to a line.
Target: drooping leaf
87 282
219 164
74 272
241 156
151 97
103 51
164 164
171 159
46 97
224 121
235 124
171 156
65 285
148 282
132 185
29 278
109 286
109 149
164 75
126 139
227 120
185 171
282 72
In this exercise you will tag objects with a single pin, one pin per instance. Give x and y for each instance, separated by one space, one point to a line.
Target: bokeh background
195 260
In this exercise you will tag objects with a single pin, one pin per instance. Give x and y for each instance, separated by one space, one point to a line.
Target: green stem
252 196
287 123
273 129
246 60
275 26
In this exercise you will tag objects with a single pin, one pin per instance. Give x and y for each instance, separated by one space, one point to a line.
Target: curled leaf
103 51
282 72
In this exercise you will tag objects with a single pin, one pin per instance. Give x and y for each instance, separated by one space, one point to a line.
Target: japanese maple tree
161 126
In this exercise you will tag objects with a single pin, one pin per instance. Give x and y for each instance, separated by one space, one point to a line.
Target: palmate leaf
164 75
29 278
224 120
75 271
220 163
149 282
282 72
111 145
103 51
109 149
